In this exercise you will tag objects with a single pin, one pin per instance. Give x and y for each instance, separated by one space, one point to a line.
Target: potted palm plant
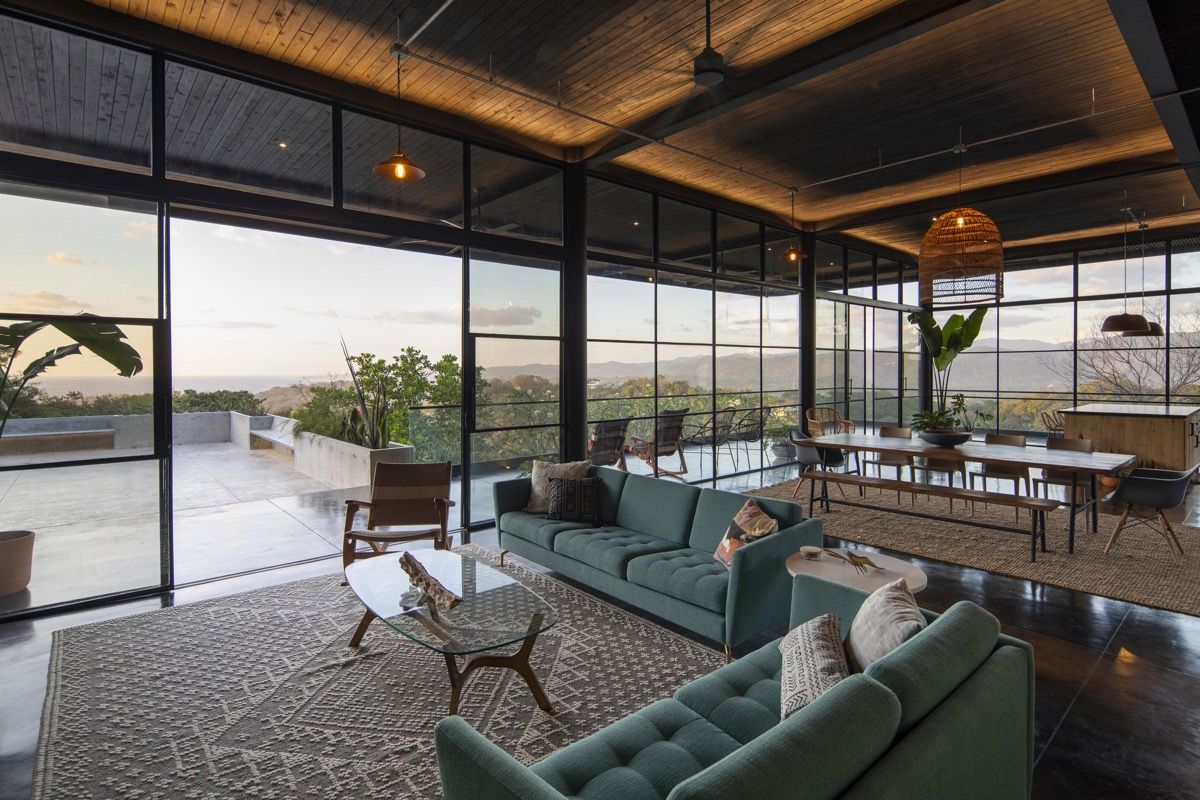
949 423
101 338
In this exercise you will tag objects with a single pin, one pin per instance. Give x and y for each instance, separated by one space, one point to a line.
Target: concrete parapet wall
342 465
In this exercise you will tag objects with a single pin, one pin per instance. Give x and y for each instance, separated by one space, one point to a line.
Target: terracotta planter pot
16 561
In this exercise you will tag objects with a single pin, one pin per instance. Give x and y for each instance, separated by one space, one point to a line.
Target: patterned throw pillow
813 662
749 523
574 499
543 471
887 619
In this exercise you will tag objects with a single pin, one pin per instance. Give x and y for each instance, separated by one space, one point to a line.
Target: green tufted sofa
948 714
654 549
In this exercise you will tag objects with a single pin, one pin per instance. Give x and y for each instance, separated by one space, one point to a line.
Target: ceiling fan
708 68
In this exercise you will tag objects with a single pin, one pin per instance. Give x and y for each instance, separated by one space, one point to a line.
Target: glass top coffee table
496 611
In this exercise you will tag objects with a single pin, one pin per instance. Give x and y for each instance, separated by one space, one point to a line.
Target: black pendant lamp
1125 323
793 255
1155 328
398 167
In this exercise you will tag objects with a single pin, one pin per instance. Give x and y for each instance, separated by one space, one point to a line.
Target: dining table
1081 465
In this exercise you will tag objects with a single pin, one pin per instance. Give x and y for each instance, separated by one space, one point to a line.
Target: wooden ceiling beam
889 28
1142 37
1124 168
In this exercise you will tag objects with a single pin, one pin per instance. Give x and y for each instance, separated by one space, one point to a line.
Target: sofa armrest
473 768
760 588
813 596
511 495
1030 680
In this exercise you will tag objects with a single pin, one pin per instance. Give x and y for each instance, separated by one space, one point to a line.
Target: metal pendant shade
962 259
399 168
1154 329
1126 323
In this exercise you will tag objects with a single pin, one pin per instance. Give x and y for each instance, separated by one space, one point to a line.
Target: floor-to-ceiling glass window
81 325
670 338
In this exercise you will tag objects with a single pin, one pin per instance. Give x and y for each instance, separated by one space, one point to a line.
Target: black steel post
574 316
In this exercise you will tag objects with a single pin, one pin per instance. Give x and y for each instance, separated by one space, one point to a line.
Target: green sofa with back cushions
653 548
947 714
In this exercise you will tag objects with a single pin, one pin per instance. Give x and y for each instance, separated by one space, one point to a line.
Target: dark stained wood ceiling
870 82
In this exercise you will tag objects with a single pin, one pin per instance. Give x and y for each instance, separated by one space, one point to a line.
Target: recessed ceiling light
636 223
283 145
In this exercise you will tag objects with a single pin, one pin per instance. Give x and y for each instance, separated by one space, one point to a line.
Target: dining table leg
1095 506
1074 508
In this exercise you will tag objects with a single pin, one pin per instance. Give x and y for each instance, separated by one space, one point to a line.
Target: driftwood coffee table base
518 661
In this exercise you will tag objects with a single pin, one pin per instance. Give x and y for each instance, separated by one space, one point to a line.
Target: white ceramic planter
16 561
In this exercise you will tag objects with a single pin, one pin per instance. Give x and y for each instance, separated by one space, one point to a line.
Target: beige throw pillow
887 619
813 663
543 471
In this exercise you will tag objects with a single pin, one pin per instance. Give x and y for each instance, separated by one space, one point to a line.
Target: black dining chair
1156 490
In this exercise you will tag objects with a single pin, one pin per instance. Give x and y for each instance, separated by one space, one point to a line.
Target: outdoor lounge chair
716 433
607 445
411 501
667 441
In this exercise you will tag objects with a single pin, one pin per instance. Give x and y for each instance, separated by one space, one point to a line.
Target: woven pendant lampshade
962 259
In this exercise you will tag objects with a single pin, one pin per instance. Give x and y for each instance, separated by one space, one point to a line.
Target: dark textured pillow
574 499
813 663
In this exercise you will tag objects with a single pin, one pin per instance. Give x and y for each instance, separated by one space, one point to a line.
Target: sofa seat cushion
686 574
741 698
537 528
609 549
641 757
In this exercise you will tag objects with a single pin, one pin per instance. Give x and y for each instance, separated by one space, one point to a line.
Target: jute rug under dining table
1139 569
256 695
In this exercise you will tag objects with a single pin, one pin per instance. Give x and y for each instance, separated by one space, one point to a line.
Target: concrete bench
278 435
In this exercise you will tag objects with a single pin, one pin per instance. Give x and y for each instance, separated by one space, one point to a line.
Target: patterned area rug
256 695
1138 570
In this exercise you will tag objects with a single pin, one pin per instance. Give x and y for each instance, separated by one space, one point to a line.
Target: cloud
445 316
64 257
243 236
225 325
508 315
139 228
43 302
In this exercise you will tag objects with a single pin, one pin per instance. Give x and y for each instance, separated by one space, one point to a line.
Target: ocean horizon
98 385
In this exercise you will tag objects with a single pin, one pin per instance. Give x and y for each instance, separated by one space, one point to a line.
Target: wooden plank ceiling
989 68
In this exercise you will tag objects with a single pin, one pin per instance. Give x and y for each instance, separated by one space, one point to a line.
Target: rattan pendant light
1125 323
1155 328
962 254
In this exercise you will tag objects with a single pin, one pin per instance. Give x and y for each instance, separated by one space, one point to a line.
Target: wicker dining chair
667 441
408 502
817 416
606 448
1054 422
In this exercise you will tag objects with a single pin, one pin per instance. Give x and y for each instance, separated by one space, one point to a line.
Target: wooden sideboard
1166 436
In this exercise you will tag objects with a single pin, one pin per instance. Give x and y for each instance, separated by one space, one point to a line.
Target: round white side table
839 571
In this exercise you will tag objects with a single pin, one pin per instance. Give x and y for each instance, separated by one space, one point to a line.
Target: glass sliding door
265 452
82 458
513 371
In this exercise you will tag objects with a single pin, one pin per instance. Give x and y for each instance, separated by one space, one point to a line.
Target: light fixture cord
1142 225
399 102
1125 257
707 24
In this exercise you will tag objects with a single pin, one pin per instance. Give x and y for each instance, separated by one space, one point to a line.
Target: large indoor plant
106 341
949 423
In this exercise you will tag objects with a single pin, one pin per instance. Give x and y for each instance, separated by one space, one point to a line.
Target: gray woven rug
256 695
1139 569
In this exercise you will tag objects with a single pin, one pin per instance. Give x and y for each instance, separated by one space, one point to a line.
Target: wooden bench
1036 506
57 441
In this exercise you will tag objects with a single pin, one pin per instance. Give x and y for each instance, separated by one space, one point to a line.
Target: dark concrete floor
1118 685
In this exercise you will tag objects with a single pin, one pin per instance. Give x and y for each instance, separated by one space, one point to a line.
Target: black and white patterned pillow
813 663
574 499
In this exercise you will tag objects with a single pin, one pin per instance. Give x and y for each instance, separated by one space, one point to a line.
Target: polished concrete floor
1118 685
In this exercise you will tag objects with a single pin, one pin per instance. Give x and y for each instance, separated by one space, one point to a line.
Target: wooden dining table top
979 452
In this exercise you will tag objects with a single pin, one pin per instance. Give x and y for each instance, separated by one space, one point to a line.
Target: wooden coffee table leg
367 618
518 662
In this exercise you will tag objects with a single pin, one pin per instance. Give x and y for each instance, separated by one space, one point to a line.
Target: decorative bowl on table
945 438
810 552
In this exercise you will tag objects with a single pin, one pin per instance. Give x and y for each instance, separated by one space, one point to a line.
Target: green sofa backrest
927 668
612 481
657 507
814 754
715 511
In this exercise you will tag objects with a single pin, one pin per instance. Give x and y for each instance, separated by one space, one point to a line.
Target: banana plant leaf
104 340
